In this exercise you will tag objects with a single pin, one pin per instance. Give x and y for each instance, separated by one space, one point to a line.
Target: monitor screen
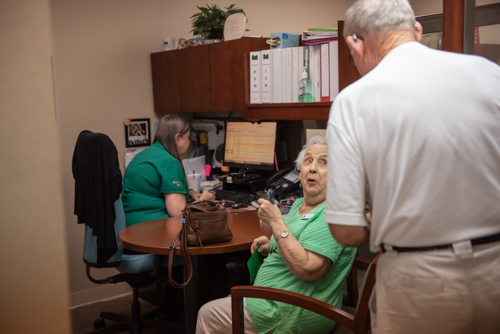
250 145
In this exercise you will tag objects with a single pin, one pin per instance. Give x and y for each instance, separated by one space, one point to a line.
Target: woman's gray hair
320 140
374 16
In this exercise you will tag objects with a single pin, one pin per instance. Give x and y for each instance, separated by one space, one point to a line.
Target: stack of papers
319 35
211 185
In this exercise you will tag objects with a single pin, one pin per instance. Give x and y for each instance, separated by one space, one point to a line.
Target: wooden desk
157 235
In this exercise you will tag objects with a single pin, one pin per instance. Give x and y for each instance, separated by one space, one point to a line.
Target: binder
287 75
314 71
325 72
277 56
334 69
295 74
267 77
255 75
301 61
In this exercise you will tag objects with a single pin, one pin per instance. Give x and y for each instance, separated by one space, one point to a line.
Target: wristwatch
283 235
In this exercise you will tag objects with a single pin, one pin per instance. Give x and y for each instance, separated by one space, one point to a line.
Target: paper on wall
214 139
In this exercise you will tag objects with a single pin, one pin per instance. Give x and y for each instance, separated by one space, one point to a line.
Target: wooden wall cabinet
300 111
166 88
202 78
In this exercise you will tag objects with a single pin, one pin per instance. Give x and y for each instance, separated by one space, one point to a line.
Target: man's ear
418 31
357 48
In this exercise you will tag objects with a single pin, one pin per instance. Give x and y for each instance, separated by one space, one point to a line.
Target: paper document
254 263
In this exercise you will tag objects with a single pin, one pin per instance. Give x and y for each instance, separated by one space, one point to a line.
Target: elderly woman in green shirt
154 184
302 257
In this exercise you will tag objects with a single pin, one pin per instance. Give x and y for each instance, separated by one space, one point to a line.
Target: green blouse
314 235
151 174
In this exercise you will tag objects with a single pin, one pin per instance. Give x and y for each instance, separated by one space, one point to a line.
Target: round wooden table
157 235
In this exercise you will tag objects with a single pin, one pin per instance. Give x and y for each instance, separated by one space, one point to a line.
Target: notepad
254 264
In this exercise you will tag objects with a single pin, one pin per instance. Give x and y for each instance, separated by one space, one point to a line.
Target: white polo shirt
419 136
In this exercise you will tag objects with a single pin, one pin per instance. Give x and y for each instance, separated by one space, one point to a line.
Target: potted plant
209 22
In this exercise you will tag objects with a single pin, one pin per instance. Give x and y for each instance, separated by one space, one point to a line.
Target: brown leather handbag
204 223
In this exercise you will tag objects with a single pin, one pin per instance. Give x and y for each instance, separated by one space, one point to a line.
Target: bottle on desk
305 88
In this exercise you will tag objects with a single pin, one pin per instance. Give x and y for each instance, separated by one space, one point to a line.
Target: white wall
102 70
34 280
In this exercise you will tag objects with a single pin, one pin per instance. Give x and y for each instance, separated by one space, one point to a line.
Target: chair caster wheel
99 323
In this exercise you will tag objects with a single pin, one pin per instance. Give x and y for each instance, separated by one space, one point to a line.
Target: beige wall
34 280
102 68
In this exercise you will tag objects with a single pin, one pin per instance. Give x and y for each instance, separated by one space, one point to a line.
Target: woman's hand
194 195
207 196
269 213
264 245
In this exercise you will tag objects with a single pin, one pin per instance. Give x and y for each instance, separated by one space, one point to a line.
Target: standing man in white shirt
419 137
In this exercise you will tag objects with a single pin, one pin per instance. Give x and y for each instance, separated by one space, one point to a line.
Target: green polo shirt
151 174
313 234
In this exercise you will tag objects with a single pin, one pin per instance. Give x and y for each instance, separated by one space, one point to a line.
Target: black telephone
284 181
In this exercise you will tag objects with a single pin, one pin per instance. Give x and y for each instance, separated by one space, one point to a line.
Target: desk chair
94 165
357 322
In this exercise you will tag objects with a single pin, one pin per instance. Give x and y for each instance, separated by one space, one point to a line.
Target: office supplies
250 146
255 77
277 55
254 263
267 76
315 71
325 72
300 65
296 73
334 69
287 75
318 33
234 196
211 185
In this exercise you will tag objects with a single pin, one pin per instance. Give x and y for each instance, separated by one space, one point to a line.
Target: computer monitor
250 145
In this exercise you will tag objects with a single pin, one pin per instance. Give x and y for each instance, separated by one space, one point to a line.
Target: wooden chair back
357 322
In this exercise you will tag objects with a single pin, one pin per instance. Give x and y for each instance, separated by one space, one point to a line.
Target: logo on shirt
177 183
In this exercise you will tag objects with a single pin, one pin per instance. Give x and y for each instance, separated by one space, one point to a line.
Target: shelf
288 111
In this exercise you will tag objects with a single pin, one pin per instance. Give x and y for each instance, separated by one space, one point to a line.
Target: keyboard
234 196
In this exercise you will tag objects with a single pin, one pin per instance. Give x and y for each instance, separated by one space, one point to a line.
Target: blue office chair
97 184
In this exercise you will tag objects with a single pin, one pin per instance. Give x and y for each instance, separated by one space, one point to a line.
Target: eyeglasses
355 38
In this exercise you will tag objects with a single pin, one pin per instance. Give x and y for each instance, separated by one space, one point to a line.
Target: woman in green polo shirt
302 257
154 184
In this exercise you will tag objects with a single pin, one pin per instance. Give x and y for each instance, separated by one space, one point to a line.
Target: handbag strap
188 265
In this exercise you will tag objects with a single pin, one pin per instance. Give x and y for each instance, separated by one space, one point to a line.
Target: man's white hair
371 17
321 140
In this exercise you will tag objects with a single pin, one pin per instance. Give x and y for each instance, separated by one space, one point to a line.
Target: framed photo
137 132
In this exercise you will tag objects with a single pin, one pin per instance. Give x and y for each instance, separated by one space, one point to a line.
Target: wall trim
98 294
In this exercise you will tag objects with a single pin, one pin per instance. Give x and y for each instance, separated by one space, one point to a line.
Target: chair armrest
361 263
248 291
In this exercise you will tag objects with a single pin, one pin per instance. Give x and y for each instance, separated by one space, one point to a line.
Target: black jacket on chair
98 184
